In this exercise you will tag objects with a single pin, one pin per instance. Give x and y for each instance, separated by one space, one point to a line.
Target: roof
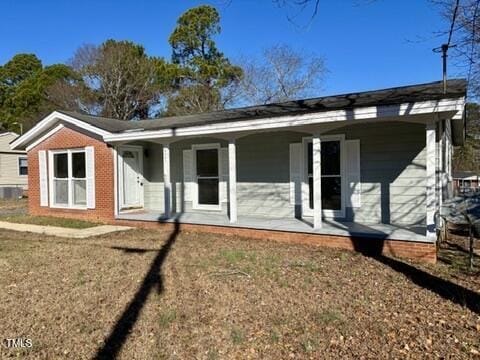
464 174
391 96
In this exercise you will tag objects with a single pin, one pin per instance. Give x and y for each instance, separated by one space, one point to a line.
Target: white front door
131 176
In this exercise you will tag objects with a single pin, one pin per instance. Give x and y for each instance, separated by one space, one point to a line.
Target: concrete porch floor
330 226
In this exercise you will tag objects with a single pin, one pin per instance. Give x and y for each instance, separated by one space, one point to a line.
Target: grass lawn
16 211
48 220
145 295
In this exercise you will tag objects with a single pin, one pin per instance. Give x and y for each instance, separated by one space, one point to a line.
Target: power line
444 48
452 25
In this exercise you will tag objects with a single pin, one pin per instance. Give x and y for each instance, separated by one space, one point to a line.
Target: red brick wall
416 251
68 138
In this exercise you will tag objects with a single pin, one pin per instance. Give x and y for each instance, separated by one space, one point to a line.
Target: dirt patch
212 297
13 207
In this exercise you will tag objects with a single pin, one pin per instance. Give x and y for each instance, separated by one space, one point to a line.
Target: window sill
207 207
68 207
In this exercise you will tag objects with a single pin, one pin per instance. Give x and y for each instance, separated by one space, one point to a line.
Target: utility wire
444 48
452 25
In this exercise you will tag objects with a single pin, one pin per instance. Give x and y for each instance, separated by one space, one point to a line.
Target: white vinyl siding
354 185
296 161
392 173
9 163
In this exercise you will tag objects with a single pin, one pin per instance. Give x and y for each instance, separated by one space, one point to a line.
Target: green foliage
204 71
19 68
24 85
119 79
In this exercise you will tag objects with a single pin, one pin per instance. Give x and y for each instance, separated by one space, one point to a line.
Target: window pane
331 193
23 166
78 165
310 158
79 192
207 162
331 158
61 192
208 191
60 167
310 191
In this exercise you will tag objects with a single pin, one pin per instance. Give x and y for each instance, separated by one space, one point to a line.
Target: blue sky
366 45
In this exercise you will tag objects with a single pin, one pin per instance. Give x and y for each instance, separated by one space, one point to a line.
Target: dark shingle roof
399 95
463 174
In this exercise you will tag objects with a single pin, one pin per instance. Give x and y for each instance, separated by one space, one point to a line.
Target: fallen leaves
274 301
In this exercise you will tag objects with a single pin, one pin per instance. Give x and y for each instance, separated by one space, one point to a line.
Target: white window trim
195 204
121 196
18 165
306 211
70 179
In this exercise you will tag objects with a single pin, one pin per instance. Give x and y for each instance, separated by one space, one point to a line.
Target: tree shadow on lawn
127 320
448 290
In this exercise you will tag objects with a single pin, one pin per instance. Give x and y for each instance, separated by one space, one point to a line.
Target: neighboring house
13 165
465 182
365 171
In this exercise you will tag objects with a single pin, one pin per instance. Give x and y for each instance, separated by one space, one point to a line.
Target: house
364 171
465 182
13 168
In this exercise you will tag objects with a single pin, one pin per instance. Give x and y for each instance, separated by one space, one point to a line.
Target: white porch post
232 179
430 174
166 180
317 182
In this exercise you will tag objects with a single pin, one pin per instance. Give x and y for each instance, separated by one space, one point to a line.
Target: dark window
60 167
330 158
207 176
22 166
207 162
331 193
78 165
331 176
208 191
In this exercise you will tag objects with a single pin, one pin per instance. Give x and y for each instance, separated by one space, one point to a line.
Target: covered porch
369 179
305 225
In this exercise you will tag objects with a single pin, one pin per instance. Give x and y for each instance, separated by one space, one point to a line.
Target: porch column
166 180
232 180
430 177
317 182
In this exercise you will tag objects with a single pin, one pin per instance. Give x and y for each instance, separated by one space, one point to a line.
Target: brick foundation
68 138
416 251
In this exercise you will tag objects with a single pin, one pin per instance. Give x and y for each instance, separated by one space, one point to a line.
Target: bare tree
465 36
124 80
282 74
